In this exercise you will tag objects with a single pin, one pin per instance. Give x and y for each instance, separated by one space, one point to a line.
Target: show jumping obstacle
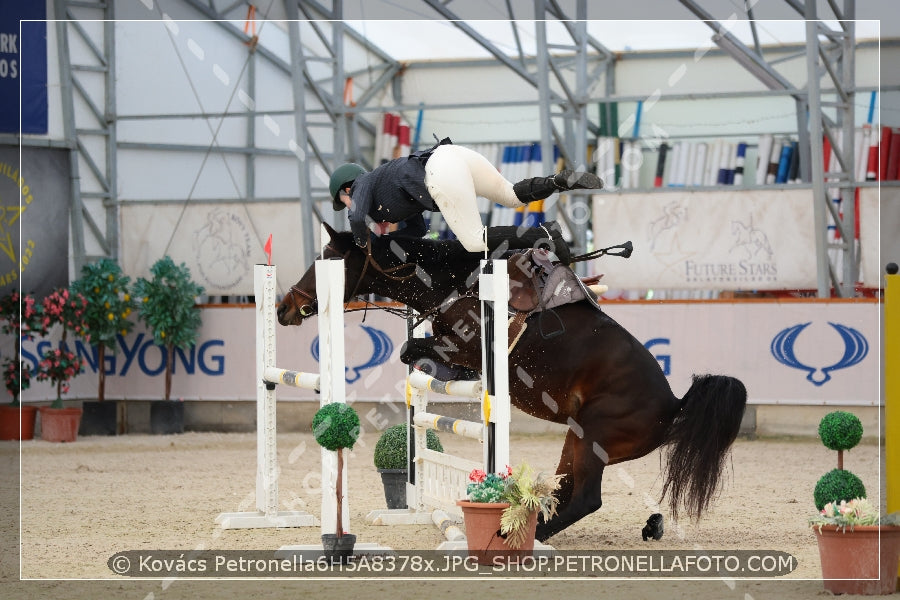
437 480
329 382
597 379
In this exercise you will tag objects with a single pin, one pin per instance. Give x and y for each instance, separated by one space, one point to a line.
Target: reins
370 260
624 250
311 308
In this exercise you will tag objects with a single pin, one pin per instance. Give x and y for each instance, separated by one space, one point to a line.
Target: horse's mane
430 255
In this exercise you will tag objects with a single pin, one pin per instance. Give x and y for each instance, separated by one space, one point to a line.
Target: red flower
477 476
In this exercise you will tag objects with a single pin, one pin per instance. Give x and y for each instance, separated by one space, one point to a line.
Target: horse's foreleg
579 491
415 349
442 350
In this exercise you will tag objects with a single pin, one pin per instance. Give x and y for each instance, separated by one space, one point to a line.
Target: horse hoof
653 528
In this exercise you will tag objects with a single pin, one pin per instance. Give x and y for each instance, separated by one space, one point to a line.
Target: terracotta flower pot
13 417
482 522
850 560
59 424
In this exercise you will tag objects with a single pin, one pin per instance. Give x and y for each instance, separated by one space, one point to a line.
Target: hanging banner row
721 240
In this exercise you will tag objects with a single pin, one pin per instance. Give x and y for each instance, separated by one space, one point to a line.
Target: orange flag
268 250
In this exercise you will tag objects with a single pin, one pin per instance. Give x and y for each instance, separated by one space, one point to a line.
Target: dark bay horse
596 377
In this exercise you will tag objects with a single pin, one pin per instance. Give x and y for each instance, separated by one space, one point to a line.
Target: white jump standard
329 382
437 480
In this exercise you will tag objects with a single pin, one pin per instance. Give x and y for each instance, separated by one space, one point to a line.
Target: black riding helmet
343 176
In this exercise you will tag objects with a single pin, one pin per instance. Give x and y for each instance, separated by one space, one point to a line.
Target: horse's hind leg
579 490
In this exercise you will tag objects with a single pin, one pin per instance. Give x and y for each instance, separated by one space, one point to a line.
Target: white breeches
455 176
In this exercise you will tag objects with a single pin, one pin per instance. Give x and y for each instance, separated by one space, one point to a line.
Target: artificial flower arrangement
858 511
36 319
525 491
61 365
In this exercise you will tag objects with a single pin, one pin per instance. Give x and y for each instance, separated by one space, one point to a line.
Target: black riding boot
530 237
538 188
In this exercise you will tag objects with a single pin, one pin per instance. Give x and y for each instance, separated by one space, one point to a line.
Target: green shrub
335 426
837 485
390 451
840 430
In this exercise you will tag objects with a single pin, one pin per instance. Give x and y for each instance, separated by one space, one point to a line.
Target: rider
445 178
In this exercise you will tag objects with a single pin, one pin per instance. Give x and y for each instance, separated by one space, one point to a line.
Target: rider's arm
361 201
413 227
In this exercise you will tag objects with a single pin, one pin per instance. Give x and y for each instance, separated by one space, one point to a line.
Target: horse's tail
698 441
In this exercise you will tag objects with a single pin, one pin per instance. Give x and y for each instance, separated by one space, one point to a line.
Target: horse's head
301 301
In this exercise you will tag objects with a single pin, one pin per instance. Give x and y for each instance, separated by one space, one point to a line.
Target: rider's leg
450 182
455 175
538 188
548 235
495 187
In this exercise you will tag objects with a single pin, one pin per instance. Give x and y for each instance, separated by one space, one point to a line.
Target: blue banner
23 60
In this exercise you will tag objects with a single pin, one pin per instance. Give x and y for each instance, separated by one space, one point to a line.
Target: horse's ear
330 230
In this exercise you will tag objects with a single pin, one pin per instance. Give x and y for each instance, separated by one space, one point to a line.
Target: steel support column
837 266
93 200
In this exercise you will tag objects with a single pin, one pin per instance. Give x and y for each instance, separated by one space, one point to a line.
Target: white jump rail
329 382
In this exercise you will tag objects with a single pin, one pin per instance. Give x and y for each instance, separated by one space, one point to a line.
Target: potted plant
848 527
840 431
501 511
167 306
58 422
109 305
392 461
18 317
335 427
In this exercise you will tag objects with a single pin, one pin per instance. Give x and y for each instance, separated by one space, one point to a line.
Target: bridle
308 310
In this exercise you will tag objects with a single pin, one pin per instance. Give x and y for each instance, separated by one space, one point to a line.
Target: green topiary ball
837 485
390 450
840 430
336 425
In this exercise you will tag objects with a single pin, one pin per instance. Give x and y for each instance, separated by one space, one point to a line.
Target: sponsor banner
724 240
815 353
23 60
34 224
785 352
222 366
220 243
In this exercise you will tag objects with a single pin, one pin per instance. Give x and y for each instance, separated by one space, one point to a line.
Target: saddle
537 285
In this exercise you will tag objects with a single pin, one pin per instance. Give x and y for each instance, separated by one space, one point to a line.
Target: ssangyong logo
382 348
856 347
